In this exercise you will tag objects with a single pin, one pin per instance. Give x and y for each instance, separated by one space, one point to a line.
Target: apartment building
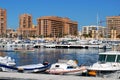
11 33
54 26
3 22
113 24
94 31
26 27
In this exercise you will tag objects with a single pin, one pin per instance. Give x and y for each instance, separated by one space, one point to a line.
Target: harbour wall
31 76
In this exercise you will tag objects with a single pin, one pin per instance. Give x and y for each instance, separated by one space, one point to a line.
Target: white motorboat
50 45
69 67
108 63
6 62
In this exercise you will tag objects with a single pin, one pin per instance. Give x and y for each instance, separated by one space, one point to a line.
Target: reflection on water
84 56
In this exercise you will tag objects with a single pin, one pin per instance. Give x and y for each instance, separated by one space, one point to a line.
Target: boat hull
27 68
110 73
34 68
77 71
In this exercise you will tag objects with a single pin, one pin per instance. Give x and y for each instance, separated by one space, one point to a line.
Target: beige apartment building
26 27
11 33
89 31
54 26
3 22
94 31
113 24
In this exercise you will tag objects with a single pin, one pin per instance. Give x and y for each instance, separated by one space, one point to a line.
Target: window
57 65
111 58
118 58
102 58
2 13
2 19
70 67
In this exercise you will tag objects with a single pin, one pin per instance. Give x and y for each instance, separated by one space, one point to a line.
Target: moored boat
34 68
8 64
69 67
107 65
24 49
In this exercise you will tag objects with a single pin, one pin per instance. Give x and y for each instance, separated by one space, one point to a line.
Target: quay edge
31 76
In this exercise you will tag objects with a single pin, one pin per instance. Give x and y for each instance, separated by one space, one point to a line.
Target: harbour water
52 55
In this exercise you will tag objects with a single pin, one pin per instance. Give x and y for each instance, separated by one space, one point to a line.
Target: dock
38 76
80 46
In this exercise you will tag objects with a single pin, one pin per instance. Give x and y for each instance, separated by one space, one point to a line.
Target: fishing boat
8 64
107 65
34 68
69 67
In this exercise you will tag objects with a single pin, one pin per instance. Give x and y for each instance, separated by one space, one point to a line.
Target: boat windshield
102 58
107 58
118 58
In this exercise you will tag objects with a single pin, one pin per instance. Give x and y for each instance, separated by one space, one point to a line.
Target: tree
41 36
118 36
85 35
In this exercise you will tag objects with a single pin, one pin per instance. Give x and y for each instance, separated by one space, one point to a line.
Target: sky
85 12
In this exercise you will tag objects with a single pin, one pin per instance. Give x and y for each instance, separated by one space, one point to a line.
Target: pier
71 46
31 76
80 46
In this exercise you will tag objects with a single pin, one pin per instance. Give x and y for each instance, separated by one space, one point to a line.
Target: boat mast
97 31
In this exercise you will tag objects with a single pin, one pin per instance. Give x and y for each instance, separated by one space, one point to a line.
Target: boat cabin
112 56
62 66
